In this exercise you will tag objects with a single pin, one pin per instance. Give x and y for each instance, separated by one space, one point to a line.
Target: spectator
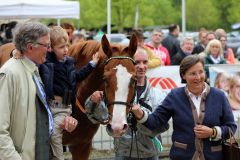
147 145
222 82
227 52
171 42
78 37
60 77
201 115
220 32
186 49
234 92
51 24
26 121
69 29
234 95
153 60
155 45
214 53
210 36
201 45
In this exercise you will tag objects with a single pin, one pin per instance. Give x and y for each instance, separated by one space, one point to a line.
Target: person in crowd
153 60
147 145
60 77
201 45
158 49
186 49
227 52
234 95
219 32
69 29
210 36
51 24
222 82
26 122
234 92
171 42
201 115
214 54
78 37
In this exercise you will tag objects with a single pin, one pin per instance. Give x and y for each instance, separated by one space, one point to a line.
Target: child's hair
57 35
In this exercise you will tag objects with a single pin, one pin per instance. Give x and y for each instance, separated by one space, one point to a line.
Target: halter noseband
105 92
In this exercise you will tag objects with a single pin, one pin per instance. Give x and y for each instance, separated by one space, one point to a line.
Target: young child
60 77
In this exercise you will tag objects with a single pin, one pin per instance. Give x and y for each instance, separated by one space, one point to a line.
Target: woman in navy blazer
201 115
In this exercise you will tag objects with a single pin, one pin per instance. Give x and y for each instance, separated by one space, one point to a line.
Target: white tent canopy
35 9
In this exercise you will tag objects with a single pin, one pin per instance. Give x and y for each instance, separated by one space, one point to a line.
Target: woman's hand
69 124
96 58
97 96
202 131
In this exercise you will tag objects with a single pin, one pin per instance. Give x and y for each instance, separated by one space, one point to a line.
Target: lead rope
133 126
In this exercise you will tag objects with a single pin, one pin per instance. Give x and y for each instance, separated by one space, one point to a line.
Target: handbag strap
231 136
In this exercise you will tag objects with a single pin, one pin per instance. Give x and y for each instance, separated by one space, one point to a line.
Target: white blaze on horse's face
119 121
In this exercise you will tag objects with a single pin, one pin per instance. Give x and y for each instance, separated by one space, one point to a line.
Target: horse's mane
84 50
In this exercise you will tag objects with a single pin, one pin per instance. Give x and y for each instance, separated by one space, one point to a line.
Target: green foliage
210 14
201 14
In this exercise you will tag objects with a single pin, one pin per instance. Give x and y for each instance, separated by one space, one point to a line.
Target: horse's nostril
109 126
125 127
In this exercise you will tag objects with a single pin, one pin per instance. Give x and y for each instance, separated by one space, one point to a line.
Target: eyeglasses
196 74
48 45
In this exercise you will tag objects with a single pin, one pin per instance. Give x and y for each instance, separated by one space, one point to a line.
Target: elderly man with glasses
26 122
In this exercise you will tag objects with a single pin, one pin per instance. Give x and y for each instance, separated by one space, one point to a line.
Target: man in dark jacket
186 49
171 42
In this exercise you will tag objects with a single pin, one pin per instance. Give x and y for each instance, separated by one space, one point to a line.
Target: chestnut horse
115 74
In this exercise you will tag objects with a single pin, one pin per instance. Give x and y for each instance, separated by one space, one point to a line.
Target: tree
201 14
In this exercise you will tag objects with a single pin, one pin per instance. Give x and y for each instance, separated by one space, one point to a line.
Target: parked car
114 38
233 41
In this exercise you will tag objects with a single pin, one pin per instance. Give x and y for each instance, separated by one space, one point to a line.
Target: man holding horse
137 142
26 120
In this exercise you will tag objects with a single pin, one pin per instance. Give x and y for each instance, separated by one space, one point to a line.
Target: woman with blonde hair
214 53
234 92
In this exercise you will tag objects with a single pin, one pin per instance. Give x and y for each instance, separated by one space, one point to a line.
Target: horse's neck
91 84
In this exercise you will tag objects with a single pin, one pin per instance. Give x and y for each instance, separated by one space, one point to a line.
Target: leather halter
119 57
135 83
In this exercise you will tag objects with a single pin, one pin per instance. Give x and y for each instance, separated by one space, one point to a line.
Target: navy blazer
177 106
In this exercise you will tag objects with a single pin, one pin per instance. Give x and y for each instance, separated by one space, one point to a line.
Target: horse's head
119 83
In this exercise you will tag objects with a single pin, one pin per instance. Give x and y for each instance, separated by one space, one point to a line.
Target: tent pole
58 21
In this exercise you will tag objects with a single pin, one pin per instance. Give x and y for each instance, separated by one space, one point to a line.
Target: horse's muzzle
116 132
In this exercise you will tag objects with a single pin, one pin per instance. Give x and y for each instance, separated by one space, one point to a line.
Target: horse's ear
106 46
132 46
